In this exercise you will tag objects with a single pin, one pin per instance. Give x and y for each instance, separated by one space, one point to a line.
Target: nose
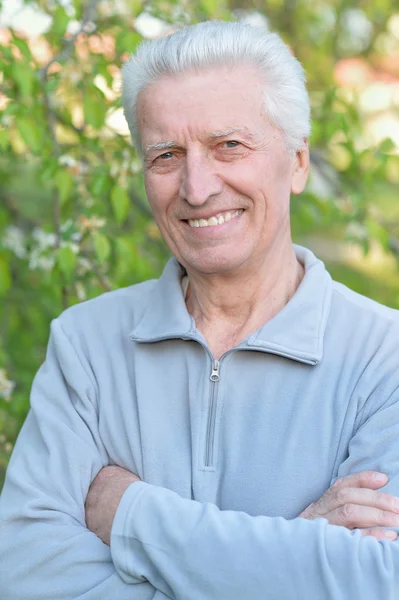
200 180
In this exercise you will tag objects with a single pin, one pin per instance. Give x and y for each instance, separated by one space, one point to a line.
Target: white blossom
37 260
14 240
356 230
74 247
74 77
66 225
84 266
89 27
114 170
44 239
6 386
90 223
151 27
6 120
67 160
80 291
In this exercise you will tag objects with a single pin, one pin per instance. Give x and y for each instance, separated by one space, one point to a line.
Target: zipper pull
215 371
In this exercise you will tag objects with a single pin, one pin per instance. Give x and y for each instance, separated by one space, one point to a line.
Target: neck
229 307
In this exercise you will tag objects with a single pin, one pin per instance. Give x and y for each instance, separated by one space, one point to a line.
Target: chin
211 264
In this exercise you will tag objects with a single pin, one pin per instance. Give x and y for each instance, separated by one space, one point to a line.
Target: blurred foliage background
74 220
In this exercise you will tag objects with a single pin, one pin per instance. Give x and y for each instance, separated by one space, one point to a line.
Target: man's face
217 174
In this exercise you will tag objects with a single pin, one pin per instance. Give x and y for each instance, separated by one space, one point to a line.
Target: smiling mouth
218 219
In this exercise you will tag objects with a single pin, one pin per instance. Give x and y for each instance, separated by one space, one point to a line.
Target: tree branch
105 284
88 17
68 44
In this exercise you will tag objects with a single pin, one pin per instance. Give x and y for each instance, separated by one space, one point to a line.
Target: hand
103 498
354 503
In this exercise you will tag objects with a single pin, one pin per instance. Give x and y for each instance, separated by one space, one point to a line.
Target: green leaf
100 184
126 258
24 78
126 251
66 260
48 170
12 108
3 139
102 69
30 134
64 184
5 277
102 246
7 53
78 6
209 7
52 83
387 146
22 47
377 232
127 41
94 107
120 203
60 22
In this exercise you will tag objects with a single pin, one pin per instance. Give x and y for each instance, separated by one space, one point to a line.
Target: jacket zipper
210 430
214 377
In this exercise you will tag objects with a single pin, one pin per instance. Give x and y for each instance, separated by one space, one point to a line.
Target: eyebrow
227 132
161 146
168 144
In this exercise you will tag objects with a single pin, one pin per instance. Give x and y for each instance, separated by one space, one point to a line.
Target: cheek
156 194
161 197
252 177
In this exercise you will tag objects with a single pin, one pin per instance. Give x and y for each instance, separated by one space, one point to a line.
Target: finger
364 479
380 533
354 516
363 497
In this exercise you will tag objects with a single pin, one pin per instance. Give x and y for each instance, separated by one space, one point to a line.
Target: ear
300 170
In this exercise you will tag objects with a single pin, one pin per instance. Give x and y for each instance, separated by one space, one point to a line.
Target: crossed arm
353 502
191 550
162 546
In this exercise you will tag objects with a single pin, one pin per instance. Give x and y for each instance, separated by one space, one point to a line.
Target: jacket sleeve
195 551
181 545
375 445
46 551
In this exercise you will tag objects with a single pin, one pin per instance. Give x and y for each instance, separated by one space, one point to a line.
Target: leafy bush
74 219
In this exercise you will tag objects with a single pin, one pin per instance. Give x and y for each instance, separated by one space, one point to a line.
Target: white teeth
216 220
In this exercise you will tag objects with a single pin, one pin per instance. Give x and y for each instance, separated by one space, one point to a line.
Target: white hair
214 43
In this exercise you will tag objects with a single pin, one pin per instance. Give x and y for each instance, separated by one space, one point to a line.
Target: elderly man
186 433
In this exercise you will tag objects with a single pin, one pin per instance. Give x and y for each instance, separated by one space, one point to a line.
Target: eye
165 155
232 143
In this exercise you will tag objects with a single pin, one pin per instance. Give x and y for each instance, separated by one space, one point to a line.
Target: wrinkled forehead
205 103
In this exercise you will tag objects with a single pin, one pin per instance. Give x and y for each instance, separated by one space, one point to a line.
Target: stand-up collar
296 332
166 315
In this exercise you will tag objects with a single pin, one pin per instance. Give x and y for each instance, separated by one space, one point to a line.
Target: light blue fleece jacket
229 452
